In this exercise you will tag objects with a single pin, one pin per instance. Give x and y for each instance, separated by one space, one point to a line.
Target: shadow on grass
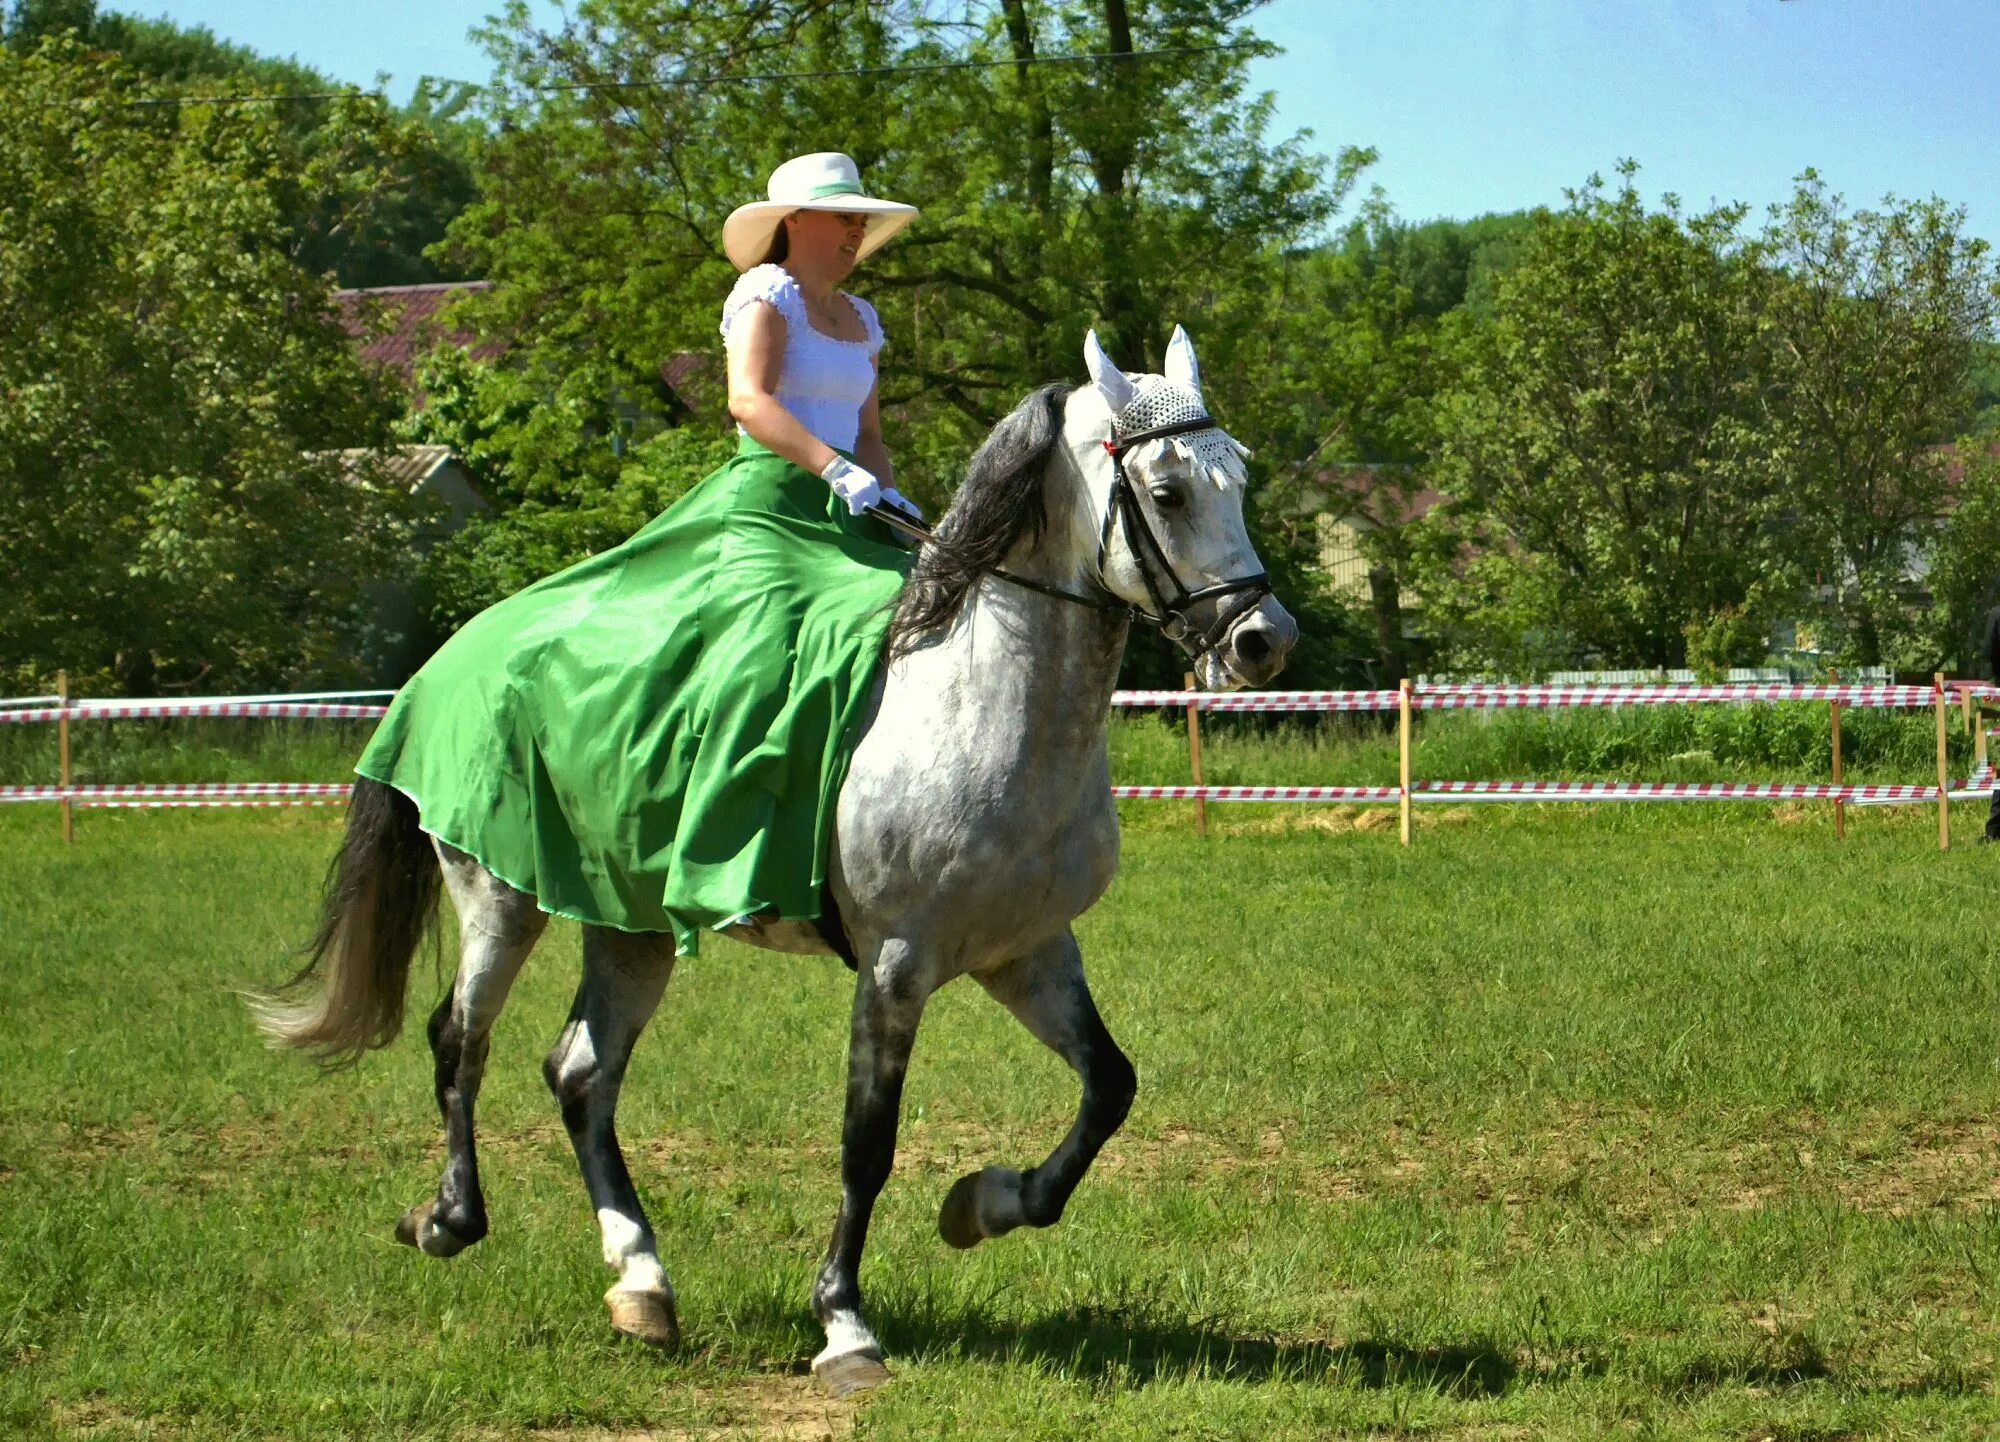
1135 1348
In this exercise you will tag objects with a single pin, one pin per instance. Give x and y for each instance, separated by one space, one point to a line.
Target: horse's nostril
1253 646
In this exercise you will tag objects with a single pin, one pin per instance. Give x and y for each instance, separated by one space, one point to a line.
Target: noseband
1172 601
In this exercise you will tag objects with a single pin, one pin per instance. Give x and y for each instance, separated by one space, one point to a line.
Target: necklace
831 314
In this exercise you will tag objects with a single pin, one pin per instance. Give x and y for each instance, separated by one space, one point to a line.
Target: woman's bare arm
756 355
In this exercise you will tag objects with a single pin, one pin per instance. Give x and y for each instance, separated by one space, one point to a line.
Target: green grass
1570 1122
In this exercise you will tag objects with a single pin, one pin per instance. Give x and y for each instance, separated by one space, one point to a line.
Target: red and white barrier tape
313 793
223 793
1439 791
1513 698
1668 791
291 710
1256 793
1423 698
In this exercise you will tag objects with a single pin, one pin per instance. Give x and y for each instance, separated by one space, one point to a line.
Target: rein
1172 602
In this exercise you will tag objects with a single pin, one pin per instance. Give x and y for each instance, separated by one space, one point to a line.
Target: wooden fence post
1403 736
1194 756
62 751
1839 806
1944 770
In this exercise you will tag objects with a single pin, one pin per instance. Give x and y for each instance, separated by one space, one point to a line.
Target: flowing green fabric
654 739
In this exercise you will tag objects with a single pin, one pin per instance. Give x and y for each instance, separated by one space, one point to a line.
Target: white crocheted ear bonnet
1160 402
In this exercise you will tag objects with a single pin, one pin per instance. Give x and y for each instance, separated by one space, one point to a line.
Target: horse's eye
1168 498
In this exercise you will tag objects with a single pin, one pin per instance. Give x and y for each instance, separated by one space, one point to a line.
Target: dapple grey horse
975 825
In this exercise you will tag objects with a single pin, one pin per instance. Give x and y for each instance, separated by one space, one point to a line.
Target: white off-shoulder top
822 379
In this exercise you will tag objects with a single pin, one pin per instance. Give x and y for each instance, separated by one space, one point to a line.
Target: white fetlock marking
627 1252
844 1334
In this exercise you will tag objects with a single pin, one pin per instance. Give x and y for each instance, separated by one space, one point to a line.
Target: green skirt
654 739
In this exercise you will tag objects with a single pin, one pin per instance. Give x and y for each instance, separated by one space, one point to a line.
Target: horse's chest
998 865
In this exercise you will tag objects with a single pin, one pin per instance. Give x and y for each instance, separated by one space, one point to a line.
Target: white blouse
822 379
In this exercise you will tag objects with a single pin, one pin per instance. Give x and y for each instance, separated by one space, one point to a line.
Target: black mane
999 503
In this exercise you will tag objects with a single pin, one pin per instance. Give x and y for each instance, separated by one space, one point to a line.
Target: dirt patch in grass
1638 1166
765 1408
1953 1166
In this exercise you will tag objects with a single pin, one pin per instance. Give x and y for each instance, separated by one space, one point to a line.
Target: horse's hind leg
498 927
624 975
1048 995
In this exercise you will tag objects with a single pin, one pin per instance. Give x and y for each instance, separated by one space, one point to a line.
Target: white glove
902 503
852 484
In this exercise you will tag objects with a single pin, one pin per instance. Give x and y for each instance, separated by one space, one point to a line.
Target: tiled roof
396 324
406 466
696 379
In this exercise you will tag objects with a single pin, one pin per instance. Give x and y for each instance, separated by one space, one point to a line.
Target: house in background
1346 503
393 328
1353 501
400 632
395 325
430 473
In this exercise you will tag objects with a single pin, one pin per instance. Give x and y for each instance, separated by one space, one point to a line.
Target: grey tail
381 897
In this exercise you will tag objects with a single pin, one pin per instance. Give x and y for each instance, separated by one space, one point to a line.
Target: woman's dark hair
780 246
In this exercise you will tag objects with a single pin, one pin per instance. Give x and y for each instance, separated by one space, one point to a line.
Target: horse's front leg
889 998
1048 995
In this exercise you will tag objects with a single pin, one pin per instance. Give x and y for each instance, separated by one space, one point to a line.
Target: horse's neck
1038 671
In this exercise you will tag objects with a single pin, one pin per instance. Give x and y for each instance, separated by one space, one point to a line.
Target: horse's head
1166 487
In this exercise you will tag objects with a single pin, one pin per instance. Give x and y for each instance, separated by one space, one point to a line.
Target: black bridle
1172 601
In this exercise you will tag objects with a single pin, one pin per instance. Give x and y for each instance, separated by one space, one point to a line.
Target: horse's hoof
958 1218
850 1372
418 1228
649 1316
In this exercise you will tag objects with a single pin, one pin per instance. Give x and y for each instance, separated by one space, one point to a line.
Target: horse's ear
1112 383
1181 366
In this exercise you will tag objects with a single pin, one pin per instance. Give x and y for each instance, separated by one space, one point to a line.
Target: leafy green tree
1963 561
1445 264
1878 327
1608 451
1127 193
1354 362
170 375
566 475
427 173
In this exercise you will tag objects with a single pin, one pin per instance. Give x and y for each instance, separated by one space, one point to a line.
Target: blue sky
1479 105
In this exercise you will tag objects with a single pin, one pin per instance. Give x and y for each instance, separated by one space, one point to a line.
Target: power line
703 81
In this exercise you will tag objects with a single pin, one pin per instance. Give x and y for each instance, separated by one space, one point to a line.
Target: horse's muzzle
1258 645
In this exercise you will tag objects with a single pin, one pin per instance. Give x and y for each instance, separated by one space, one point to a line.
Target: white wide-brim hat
825 180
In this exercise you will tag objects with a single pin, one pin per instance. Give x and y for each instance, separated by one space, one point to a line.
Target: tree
428 172
1445 264
1879 325
172 381
1963 560
1127 193
558 491
1614 489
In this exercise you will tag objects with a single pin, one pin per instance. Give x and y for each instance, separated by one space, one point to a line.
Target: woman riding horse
692 730
652 740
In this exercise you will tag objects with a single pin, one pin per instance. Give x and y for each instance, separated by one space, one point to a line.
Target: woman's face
827 241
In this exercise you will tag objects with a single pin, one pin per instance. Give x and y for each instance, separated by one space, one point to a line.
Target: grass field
1572 1122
